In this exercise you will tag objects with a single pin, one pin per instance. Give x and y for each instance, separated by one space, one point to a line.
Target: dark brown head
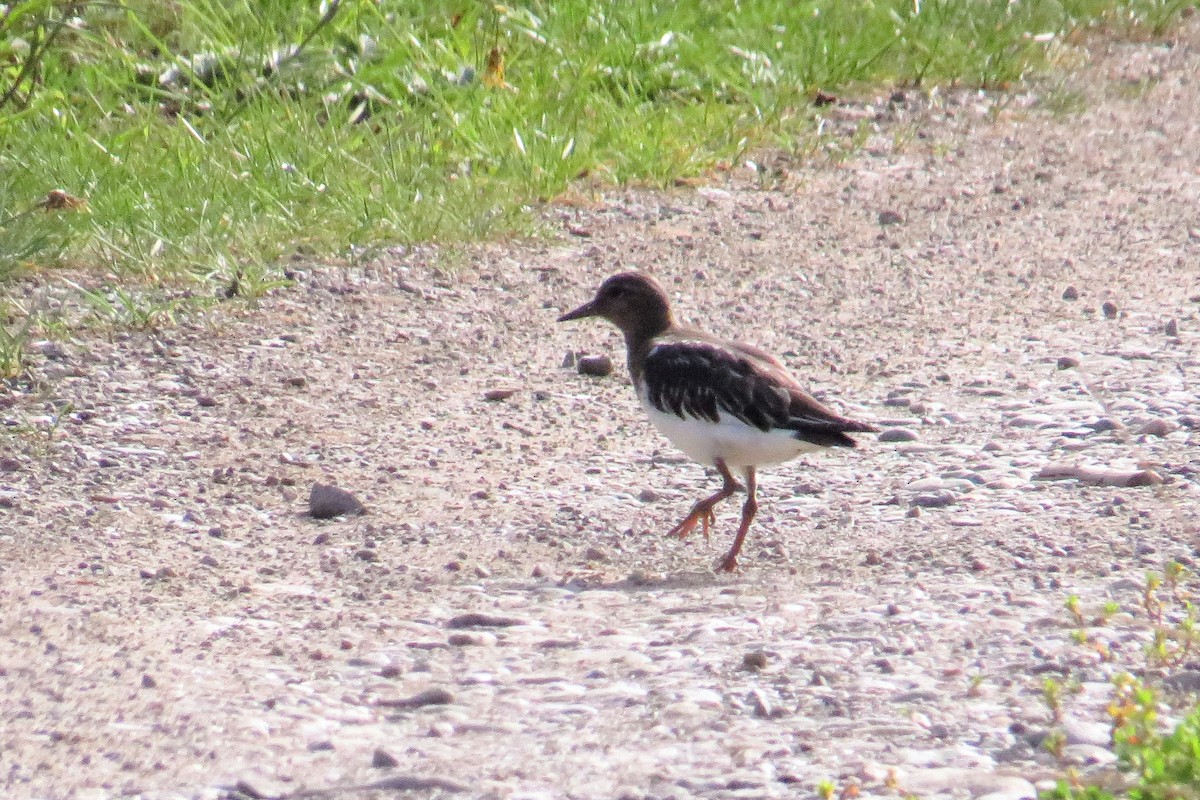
633 302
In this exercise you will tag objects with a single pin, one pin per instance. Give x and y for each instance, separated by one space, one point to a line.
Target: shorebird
724 404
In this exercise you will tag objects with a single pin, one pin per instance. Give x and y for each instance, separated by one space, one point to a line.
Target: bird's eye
616 291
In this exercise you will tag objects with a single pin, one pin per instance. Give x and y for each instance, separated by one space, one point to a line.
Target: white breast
730 439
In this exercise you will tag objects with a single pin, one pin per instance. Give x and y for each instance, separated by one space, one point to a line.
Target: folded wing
705 380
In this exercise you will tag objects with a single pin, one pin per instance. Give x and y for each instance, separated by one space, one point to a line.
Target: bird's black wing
704 380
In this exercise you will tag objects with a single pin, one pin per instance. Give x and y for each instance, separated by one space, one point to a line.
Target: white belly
731 440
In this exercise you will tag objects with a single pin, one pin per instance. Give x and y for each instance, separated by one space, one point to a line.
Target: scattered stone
762 704
317 747
1068 362
412 783
296 381
1185 681
1157 427
873 559
977 783
54 351
148 682
647 495
595 554
209 561
326 501
597 366
436 696
480 620
496 395
206 401
1070 293
1088 755
1110 309
1098 734
259 789
890 218
755 660
1099 476
382 759
898 435
568 359
933 500
1172 327
1104 424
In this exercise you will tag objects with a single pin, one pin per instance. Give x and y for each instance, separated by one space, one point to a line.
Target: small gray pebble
1157 427
898 435
326 501
1172 328
890 218
382 759
477 620
647 495
430 697
1068 362
1187 680
934 500
1070 293
1110 309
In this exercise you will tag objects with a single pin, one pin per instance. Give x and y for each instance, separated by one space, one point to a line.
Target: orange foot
698 515
728 564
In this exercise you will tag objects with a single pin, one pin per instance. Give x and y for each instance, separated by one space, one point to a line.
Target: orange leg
749 509
702 511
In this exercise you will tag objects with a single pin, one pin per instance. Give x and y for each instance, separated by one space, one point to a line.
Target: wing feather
703 380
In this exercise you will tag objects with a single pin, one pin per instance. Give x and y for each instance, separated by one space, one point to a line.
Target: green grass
211 138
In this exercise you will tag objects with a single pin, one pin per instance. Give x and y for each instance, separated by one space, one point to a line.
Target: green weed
1157 766
13 342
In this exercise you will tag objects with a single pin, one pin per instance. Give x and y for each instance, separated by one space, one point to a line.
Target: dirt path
173 623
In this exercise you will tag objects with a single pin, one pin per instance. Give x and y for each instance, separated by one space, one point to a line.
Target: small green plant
1151 603
1052 696
122 308
12 350
1072 606
1055 742
1158 766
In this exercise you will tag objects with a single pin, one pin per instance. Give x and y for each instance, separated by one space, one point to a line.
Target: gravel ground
506 620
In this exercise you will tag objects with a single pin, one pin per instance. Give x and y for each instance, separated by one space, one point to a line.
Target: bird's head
633 302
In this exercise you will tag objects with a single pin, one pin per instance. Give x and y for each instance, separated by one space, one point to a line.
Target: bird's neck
639 341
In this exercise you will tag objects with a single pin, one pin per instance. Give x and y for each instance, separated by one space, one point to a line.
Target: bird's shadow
696 579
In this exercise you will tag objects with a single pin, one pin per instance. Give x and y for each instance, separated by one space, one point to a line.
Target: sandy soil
175 625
